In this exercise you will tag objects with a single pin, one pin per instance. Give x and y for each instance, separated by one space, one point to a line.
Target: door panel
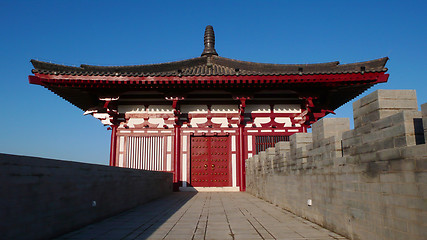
210 164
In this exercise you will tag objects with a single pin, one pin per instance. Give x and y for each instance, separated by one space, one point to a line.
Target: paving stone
211 216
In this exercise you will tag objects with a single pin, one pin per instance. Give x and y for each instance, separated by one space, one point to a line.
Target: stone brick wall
43 198
365 183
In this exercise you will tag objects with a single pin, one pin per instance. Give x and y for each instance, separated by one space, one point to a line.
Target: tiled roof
210 66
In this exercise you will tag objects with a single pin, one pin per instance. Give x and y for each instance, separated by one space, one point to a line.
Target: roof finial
209 42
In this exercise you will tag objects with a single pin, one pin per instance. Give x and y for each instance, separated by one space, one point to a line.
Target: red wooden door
210 165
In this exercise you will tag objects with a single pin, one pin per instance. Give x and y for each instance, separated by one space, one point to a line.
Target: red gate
210 164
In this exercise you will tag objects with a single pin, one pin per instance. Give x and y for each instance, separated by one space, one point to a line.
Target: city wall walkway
205 215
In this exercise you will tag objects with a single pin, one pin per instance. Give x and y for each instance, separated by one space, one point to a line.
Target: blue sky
37 122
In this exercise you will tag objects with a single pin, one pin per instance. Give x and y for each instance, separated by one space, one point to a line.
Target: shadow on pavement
137 223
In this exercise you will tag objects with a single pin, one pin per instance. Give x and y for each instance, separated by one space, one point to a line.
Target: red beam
376 77
383 78
34 80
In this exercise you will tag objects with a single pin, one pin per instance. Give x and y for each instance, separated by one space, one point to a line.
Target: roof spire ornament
209 42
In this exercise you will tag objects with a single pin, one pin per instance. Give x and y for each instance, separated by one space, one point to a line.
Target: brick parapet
281 148
43 198
365 183
398 130
381 104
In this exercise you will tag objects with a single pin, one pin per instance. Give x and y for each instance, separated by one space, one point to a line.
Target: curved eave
210 66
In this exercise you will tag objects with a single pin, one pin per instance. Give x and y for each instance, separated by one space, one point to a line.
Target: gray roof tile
211 66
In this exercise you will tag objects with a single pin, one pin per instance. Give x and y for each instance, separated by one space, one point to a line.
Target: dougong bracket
242 107
311 114
175 106
106 111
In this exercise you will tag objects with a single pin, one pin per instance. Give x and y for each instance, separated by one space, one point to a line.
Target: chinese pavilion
201 118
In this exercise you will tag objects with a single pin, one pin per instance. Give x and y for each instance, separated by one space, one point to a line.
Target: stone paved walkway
213 215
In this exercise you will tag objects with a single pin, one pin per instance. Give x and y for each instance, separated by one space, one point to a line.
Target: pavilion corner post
177 155
113 146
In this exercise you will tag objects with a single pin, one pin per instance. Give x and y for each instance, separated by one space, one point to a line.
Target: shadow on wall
43 198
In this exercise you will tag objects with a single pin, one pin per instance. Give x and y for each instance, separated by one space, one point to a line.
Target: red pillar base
176 186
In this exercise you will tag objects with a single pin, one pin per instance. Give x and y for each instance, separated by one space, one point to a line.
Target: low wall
366 183
43 198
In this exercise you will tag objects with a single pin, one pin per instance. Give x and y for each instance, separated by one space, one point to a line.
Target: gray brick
394 131
424 109
400 104
382 123
368 157
282 146
328 127
401 142
271 151
368 118
397 224
383 144
405 213
403 165
367 99
421 165
300 138
391 178
406 189
419 151
389 154
397 94
360 130
417 229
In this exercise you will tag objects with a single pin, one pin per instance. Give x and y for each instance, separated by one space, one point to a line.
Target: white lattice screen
145 153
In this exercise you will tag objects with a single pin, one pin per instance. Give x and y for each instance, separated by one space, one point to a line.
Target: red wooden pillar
113 146
242 170
241 144
177 158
